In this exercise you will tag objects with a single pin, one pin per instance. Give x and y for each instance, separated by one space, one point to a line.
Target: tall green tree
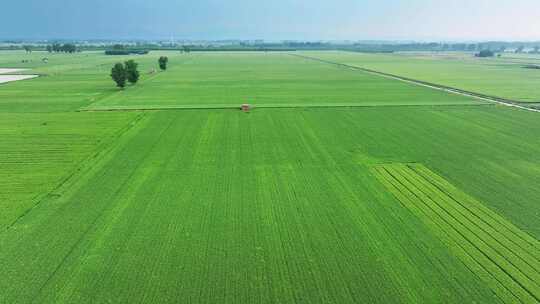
132 73
69 48
119 75
163 60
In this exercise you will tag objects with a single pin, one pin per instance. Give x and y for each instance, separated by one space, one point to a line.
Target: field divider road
452 90
267 106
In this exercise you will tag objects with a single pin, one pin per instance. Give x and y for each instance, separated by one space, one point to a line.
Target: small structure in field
246 107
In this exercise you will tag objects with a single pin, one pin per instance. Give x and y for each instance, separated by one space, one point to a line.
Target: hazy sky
272 19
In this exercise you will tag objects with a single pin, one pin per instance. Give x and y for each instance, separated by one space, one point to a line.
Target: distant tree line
62 48
485 53
119 49
136 47
126 52
497 47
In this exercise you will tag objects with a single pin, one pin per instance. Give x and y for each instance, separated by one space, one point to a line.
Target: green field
503 77
339 187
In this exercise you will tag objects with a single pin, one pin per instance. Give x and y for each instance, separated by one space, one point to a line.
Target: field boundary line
452 90
255 107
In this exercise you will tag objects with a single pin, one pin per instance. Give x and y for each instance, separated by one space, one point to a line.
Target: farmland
504 77
339 187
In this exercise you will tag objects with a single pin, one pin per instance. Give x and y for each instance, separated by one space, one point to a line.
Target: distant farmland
506 77
338 187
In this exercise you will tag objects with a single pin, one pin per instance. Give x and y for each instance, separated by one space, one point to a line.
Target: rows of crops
39 152
245 207
268 206
291 205
502 255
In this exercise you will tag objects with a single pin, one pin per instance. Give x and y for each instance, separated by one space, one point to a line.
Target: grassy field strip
493 254
478 96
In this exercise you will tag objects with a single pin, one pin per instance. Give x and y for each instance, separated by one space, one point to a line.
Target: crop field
505 77
339 187
266 80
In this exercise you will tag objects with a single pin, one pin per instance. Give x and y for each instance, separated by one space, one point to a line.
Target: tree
27 48
118 74
132 74
163 60
49 48
56 47
69 48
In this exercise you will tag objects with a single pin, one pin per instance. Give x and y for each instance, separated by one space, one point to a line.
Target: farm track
493 99
506 258
299 106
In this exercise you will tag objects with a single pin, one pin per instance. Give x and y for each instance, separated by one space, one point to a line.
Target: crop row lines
481 212
506 262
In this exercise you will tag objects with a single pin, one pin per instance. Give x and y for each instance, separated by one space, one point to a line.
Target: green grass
430 200
502 77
